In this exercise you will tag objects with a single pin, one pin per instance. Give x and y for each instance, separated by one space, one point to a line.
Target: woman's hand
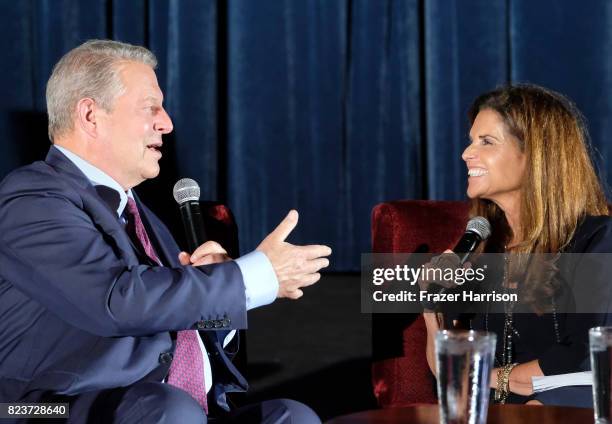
447 260
520 388
520 377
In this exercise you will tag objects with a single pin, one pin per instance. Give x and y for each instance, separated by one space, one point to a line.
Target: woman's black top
536 336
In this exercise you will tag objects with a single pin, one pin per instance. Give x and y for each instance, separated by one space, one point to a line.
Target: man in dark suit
98 306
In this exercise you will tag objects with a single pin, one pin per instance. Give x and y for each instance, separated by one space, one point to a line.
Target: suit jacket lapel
161 240
107 219
93 204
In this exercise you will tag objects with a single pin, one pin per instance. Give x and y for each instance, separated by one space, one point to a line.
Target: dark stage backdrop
327 106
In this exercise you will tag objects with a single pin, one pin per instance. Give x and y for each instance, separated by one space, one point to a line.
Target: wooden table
428 414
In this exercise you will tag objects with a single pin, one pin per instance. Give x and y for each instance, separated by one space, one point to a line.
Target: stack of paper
549 382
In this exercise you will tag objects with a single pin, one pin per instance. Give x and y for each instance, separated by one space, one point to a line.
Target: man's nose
164 124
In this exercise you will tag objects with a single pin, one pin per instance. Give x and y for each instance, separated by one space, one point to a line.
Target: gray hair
89 70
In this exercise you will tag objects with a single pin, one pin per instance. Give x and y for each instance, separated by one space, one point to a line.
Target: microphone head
186 190
480 226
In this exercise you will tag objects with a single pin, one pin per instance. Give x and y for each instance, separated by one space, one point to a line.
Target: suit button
201 325
226 322
208 324
218 323
165 358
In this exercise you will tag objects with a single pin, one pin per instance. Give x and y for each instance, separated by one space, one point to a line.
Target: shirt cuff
228 338
261 285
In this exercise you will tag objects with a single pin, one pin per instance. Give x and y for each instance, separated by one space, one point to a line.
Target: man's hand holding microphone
295 266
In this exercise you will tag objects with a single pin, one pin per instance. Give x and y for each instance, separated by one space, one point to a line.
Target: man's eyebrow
154 99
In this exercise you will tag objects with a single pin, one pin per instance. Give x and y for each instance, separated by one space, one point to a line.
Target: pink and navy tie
187 369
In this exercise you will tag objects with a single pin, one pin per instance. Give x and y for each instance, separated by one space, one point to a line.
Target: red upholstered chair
400 374
220 226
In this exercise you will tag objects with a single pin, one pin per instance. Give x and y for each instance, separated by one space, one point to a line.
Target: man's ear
86 119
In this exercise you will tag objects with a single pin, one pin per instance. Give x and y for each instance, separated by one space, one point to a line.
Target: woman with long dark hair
531 175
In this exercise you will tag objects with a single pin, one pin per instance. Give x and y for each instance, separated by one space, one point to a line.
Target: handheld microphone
477 230
187 194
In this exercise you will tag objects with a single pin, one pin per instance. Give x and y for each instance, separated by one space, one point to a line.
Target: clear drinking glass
600 340
464 360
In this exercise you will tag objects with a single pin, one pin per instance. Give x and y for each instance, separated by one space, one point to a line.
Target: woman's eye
485 141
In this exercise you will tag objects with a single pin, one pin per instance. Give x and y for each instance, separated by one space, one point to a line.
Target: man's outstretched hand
295 266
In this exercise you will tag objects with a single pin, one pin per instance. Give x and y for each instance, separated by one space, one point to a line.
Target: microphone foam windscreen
186 190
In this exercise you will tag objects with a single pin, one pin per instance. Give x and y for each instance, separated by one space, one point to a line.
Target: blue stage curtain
325 106
324 116
465 53
567 46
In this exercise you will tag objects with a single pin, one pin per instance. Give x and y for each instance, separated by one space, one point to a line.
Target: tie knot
131 207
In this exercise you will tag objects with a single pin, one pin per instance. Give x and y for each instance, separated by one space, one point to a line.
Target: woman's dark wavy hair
560 185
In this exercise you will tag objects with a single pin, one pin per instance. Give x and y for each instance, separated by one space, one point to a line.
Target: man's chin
151 172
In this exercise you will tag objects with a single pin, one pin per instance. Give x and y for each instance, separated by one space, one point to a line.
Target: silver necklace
509 330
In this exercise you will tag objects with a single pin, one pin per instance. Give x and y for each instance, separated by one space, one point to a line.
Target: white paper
549 382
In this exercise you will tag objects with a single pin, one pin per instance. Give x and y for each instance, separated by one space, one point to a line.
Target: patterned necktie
187 369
